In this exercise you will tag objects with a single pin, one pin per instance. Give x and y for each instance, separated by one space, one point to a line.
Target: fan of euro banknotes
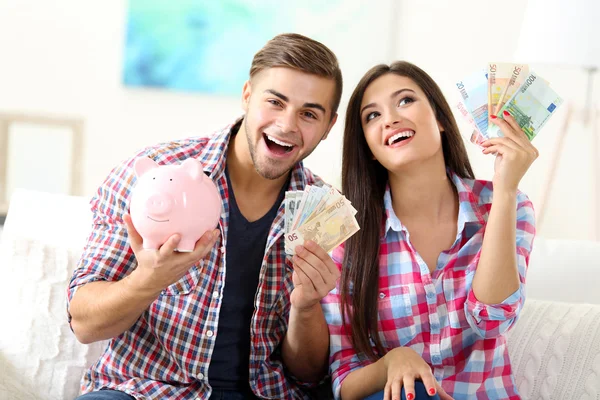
506 87
318 213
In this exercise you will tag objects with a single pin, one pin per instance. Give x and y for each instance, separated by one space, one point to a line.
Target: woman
435 277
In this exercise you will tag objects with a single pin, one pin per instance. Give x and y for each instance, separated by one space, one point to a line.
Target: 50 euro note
504 79
531 106
329 229
331 197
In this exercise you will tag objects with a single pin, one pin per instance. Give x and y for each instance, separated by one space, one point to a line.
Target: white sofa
555 346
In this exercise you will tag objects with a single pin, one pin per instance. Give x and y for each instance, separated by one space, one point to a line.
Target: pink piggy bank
172 199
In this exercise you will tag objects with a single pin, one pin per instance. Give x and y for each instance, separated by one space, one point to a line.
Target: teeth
399 135
279 142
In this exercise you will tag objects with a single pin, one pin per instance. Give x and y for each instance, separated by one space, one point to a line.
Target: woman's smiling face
399 123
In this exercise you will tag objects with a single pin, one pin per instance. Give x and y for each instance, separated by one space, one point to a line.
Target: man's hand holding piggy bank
174 210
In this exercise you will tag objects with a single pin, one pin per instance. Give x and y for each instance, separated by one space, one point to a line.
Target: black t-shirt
246 241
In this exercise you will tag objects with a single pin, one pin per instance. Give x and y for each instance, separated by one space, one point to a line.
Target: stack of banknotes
318 213
506 87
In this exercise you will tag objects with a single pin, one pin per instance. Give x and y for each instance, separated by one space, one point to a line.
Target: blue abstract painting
206 46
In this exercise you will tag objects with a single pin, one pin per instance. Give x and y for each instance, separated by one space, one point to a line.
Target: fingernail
432 391
493 116
410 396
215 234
506 113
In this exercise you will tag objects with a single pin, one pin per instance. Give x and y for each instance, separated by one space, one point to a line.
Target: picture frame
39 152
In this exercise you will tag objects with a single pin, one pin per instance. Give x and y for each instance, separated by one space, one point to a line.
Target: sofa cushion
40 357
555 351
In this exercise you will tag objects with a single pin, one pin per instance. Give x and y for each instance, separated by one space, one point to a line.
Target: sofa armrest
555 350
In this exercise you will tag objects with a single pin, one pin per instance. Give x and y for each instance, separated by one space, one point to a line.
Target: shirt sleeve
107 255
492 320
343 359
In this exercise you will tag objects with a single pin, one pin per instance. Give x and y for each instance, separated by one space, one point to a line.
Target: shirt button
430 295
222 249
200 376
209 333
215 295
381 295
436 359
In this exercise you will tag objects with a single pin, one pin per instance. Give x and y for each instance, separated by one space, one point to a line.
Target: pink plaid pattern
166 354
437 314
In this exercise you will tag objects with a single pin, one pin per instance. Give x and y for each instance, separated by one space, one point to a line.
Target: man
235 318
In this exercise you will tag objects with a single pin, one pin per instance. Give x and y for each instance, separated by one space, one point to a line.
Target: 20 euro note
476 137
503 81
329 229
531 106
474 92
314 197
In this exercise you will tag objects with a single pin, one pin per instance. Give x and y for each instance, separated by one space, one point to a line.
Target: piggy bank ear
143 165
193 168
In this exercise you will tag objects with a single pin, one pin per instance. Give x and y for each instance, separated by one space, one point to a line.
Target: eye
371 116
405 100
309 114
275 102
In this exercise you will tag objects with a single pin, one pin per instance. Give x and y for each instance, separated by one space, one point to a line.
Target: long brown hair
292 50
364 182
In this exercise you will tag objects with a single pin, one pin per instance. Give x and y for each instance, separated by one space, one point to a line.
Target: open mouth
400 137
157 220
277 146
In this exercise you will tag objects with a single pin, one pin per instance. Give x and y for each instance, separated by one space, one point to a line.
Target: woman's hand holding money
514 154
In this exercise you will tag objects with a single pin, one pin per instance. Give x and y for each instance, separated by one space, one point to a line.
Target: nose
287 122
159 204
392 119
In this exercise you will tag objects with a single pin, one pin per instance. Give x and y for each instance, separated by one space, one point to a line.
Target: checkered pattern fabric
167 352
437 314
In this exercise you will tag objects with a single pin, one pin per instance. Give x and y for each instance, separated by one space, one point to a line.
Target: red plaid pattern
437 314
166 354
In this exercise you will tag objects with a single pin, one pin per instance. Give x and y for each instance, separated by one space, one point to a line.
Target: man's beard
267 174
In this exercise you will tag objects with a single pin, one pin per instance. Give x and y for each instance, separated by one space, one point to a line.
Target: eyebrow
396 93
305 105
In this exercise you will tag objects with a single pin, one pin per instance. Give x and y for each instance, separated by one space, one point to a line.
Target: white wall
449 39
64 58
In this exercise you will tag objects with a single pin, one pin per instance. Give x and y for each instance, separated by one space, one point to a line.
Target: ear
143 165
331 124
193 168
246 92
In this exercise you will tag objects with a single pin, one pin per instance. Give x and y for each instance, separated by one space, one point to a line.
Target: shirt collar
468 211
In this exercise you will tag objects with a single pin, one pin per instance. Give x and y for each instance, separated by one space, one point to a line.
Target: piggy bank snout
159 204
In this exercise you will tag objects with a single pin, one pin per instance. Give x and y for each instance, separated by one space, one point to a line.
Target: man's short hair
291 50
